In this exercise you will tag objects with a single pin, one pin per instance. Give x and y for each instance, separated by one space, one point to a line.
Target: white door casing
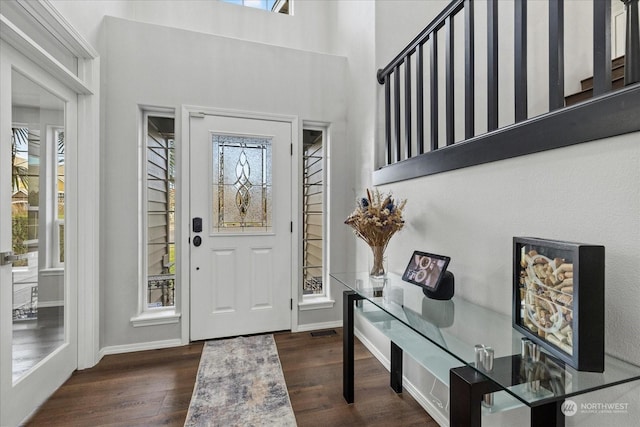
241 273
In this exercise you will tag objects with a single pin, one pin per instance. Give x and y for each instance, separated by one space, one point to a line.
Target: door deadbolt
197 241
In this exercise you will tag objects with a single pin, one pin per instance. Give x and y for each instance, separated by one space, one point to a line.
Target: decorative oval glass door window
241 184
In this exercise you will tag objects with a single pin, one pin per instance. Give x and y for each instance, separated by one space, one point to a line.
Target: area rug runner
240 383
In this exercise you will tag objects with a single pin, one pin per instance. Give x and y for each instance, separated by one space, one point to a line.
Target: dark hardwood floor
153 388
34 339
312 368
150 388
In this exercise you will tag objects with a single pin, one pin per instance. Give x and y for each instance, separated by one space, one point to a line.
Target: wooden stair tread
616 73
617 61
588 93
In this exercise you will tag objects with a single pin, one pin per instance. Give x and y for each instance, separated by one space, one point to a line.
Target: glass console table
442 336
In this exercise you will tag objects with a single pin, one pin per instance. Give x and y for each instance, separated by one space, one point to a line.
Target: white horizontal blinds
160 212
313 160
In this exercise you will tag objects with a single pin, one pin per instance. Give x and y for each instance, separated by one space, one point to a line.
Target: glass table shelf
452 330
425 353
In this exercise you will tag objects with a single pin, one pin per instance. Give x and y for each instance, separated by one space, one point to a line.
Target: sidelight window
313 218
160 212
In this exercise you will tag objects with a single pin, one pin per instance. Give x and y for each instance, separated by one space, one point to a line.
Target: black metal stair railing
406 158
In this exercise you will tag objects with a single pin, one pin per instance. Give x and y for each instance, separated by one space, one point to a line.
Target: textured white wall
474 212
587 193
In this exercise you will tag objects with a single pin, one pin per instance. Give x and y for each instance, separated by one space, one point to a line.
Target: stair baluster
632 50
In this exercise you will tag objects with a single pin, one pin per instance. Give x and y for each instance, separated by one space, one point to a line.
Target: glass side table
458 330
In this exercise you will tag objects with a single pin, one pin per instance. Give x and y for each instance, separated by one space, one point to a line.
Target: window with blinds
312 211
160 189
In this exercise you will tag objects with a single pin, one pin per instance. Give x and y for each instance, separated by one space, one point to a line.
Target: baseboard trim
422 400
373 349
143 346
426 403
322 325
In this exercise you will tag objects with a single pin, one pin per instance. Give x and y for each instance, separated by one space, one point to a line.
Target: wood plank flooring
153 388
147 388
35 339
312 368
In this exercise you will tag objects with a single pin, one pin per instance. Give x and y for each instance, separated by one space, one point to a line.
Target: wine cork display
558 299
546 296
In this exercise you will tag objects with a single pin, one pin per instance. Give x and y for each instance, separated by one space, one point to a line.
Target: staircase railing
412 145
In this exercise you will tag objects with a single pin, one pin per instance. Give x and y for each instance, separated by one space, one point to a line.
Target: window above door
277 6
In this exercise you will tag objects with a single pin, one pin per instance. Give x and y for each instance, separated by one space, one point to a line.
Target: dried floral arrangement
377 218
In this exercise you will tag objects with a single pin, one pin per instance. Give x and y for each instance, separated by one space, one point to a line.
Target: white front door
240 196
38 299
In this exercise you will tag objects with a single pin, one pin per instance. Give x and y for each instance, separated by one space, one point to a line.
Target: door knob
10 257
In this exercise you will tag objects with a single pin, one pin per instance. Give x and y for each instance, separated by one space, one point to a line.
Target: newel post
632 50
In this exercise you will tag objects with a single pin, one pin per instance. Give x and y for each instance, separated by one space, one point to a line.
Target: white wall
354 26
154 65
587 193
482 204
86 16
310 28
493 202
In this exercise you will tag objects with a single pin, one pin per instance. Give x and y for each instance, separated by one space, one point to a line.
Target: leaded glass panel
241 184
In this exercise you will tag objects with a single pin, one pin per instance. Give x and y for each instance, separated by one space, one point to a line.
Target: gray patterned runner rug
240 383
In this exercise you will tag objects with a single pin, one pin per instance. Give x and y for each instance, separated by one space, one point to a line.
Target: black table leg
396 368
466 388
549 414
348 298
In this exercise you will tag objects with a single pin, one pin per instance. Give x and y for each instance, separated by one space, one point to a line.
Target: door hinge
291 300
291 226
292 149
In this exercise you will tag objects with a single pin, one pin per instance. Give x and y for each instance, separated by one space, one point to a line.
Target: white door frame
183 215
42 16
21 397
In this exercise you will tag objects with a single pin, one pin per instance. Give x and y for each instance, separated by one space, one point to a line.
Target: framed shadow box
558 299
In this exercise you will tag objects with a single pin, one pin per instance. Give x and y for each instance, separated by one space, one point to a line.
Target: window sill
315 303
163 317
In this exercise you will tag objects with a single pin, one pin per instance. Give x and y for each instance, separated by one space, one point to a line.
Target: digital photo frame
429 271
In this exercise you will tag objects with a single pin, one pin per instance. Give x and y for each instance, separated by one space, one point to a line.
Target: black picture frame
426 270
558 299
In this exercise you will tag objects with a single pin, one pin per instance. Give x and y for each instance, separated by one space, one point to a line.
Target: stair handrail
402 151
